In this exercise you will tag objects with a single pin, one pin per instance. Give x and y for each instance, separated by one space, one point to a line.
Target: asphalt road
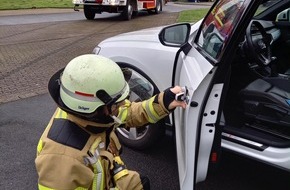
31 52
23 121
21 124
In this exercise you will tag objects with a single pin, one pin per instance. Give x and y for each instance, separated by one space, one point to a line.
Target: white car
235 66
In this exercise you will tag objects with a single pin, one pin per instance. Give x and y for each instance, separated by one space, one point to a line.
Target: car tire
142 137
89 13
128 11
149 136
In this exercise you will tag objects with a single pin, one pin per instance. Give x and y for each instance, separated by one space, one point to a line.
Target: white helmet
90 81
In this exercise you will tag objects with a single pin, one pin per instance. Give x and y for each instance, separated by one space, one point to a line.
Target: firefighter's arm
134 114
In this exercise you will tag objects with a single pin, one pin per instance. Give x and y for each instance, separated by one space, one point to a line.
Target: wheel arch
156 89
150 133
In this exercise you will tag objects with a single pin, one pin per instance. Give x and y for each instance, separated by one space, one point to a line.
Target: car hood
145 35
149 35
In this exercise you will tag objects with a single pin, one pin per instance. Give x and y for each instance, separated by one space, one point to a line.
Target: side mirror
175 35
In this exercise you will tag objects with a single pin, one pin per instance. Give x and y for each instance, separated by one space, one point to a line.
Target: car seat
267 100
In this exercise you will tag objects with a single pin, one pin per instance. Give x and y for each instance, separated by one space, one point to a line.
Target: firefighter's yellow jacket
74 153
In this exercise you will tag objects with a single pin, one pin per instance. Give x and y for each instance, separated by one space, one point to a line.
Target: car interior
259 89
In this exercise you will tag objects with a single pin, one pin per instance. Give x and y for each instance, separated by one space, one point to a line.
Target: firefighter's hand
177 103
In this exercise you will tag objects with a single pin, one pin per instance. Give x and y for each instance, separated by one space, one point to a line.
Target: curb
35 11
194 3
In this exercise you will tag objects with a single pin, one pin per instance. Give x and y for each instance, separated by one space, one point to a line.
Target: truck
127 8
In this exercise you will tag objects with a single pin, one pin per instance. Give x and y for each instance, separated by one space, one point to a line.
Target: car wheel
141 137
89 13
128 11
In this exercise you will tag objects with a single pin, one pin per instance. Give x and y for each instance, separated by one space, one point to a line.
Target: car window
267 4
218 26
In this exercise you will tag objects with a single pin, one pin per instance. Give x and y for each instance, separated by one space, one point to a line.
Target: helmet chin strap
107 99
116 119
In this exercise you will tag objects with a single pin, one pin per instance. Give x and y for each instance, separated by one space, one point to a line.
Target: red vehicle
127 8
223 16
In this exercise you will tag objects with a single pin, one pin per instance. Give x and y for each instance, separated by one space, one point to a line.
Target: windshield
265 6
218 26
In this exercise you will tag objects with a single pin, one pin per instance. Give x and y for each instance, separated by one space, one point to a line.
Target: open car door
202 66
195 126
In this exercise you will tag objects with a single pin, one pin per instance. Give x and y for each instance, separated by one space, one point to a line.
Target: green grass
192 15
28 4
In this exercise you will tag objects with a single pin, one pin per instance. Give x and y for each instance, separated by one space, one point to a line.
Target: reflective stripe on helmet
84 94
90 97
80 95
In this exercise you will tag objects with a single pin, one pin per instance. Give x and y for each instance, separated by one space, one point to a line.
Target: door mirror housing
175 35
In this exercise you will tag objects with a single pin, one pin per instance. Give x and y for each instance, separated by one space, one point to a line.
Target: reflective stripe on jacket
151 110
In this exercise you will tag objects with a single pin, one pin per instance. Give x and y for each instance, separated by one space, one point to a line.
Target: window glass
218 26
265 6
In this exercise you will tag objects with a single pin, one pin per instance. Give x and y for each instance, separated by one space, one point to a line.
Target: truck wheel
158 7
128 11
89 13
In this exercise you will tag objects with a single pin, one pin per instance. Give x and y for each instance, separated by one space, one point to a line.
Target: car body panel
148 34
145 50
187 121
148 49
208 132
278 157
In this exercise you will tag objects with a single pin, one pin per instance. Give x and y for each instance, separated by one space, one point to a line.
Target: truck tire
128 11
158 7
89 13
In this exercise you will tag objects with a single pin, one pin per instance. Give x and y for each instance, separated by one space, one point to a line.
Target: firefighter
79 148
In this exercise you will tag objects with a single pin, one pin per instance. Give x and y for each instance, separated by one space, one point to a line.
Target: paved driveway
35 43
31 53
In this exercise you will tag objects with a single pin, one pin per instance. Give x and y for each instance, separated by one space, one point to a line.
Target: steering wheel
259 46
